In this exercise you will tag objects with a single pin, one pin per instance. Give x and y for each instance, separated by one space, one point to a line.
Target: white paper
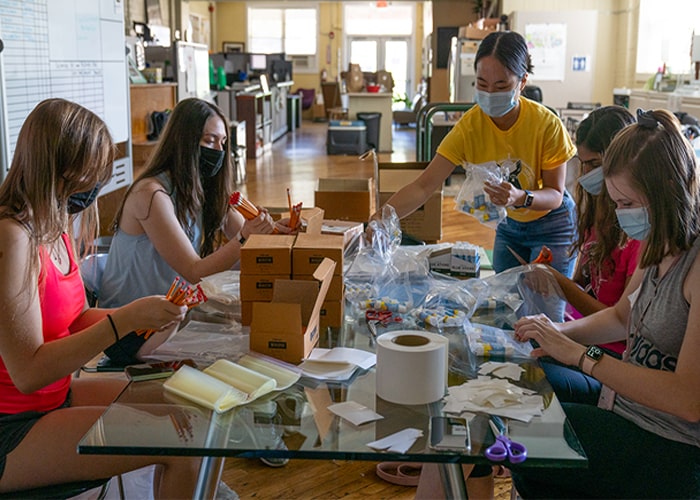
494 397
398 442
499 369
338 363
354 412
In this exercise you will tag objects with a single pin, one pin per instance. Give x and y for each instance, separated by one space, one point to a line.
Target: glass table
295 423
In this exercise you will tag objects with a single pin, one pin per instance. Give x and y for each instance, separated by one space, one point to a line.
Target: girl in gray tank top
643 438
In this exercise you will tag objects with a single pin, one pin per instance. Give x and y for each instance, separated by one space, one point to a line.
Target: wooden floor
296 161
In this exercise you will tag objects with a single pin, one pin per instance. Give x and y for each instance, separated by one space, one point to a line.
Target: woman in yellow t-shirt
506 126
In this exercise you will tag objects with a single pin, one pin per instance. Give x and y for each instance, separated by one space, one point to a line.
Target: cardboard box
346 199
312 218
269 254
335 290
288 327
309 250
259 287
332 312
349 230
426 222
246 312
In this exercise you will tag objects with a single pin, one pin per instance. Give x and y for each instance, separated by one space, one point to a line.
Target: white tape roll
411 367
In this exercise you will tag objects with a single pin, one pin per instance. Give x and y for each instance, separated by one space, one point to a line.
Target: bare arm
575 295
150 210
547 198
32 363
413 195
674 392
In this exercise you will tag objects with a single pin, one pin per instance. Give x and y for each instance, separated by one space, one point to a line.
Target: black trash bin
372 125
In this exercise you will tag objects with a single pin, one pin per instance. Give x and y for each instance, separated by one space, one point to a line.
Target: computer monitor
258 62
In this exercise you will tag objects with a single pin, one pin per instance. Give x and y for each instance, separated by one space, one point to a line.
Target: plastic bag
473 200
448 304
381 270
492 342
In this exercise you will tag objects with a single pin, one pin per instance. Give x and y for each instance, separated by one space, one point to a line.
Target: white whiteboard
73 49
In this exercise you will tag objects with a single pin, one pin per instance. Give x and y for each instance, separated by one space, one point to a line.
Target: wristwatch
590 358
528 200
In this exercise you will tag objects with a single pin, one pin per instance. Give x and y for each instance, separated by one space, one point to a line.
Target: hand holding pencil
180 294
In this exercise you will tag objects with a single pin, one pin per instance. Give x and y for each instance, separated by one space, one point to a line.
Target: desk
144 420
380 102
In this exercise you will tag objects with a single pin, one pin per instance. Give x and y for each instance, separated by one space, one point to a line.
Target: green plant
397 97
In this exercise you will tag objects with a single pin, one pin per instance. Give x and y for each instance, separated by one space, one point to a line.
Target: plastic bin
372 123
346 137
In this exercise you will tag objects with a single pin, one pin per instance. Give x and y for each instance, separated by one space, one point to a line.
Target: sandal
500 471
400 473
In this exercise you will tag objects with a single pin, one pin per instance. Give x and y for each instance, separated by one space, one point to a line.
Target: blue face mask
592 182
496 104
634 222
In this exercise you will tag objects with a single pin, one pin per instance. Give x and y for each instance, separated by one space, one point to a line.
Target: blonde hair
62 149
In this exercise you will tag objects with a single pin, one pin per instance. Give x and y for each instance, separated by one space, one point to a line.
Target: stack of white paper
338 363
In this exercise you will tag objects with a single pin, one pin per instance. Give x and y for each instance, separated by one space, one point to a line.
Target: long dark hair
595 133
509 48
177 154
660 163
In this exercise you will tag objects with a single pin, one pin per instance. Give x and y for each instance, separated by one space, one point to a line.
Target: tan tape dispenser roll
411 367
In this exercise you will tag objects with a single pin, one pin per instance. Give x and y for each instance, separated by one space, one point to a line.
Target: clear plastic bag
449 303
473 200
382 271
492 342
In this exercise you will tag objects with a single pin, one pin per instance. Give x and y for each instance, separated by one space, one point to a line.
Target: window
665 35
292 30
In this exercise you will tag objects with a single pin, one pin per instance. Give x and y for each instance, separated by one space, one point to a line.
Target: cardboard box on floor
346 199
288 327
426 222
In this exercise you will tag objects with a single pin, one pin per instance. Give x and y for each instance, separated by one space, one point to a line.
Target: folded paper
225 384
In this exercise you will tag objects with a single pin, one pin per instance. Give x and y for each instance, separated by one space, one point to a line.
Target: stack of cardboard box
308 252
264 259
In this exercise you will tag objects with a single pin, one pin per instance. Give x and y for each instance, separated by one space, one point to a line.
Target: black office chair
532 92
63 491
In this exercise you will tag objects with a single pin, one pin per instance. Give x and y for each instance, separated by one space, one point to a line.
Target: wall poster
547 45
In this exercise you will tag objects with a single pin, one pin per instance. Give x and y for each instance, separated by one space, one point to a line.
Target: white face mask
496 104
592 182
634 222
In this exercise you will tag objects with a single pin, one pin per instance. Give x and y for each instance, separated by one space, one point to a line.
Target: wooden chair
332 101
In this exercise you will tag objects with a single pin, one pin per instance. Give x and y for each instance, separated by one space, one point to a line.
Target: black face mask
80 201
210 161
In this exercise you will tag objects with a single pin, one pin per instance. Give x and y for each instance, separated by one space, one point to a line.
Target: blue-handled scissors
503 448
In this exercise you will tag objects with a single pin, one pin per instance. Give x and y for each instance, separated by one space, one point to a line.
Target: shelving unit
256 110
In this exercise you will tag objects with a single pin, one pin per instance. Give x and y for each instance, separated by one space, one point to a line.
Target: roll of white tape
411 367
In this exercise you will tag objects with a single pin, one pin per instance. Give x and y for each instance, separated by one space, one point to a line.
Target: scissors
503 448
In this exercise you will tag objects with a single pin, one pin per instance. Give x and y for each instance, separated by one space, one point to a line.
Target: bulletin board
73 49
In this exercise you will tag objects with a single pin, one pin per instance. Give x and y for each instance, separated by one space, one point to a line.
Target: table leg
453 481
208 479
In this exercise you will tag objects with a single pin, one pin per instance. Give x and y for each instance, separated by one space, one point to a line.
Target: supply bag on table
473 200
450 302
517 292
492 342
381 271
